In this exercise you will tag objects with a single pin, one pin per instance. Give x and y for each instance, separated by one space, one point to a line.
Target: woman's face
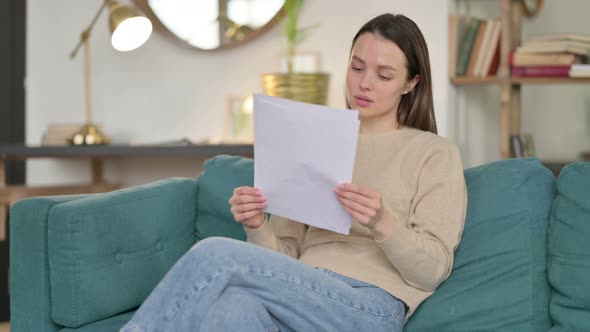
376 79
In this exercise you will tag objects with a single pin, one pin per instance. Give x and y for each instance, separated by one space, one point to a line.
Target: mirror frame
144 6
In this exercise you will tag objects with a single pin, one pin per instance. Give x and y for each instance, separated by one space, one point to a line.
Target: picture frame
238 124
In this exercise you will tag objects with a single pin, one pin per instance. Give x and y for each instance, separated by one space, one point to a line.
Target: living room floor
5 327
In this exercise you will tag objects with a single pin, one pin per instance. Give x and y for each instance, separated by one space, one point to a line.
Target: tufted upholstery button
119 258
159 246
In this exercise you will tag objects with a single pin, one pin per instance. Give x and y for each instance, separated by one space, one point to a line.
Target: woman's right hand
246 206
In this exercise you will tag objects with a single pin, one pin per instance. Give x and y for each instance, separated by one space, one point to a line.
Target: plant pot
305 87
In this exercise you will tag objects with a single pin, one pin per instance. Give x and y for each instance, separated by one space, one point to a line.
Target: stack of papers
301 153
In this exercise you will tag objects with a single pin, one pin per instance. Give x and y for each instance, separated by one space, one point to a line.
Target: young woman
407 200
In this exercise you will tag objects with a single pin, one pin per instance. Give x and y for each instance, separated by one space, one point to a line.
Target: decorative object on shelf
212 24
129 30
522 146
531 8
239 120
516 146
528 145
309 87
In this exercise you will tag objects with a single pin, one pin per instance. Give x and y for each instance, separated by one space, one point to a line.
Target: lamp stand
88 134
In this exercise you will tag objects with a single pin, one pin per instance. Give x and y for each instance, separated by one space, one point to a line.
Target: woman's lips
362 102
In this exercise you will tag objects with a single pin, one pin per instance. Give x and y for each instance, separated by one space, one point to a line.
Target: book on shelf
541 71
547 59
580 70
561 36
562 47
574 44
522 145
457 27
491 56
474 46
552 55
516 146
528 144
476 52
466 45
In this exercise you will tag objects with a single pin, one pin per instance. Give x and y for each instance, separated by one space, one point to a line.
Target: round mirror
212 24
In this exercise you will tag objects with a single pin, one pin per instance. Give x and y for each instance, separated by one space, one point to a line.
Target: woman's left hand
362 203
365 205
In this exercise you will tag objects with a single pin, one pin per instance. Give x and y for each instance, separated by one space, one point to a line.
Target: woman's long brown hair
416 108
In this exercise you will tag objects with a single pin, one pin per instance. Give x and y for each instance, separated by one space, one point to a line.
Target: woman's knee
215 249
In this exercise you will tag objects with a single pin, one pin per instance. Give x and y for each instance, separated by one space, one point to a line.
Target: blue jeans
229 285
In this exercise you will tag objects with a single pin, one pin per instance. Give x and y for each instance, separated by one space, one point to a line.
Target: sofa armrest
102 253
29 270
108 251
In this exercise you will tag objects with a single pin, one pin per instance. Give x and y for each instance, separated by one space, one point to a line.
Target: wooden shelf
550 80
510 87
17 151
466 80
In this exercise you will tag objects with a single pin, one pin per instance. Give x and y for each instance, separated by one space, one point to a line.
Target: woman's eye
357 68
385 78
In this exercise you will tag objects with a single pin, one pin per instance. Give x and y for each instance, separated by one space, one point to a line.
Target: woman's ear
411 84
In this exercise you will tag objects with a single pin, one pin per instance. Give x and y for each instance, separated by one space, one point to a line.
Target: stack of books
474 46
563 55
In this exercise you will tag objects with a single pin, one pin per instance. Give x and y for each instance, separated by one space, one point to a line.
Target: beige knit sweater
420 176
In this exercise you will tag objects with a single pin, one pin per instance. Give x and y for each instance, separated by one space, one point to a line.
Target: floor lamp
129 30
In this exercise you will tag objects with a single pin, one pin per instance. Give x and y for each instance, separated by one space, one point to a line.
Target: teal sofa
85 263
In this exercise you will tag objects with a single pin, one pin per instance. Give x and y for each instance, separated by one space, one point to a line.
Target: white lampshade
129 29
131 33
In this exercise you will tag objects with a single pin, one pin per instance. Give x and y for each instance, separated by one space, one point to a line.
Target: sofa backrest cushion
100 248
569 250
499 280
221 175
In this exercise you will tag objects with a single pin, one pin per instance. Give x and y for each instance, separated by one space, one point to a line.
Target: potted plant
305 87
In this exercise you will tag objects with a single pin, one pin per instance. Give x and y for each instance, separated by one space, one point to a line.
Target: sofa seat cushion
499 280
569 250
111 324
221 175
108 251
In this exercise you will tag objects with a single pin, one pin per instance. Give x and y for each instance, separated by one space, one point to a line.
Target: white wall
164 92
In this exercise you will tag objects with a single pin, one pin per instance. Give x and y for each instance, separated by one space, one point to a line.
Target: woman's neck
378 125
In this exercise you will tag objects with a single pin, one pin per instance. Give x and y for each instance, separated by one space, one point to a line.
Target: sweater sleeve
422 247
279 234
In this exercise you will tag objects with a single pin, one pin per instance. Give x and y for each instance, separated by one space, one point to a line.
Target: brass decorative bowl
305 87
89 135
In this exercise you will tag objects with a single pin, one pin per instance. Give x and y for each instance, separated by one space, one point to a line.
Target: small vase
305 87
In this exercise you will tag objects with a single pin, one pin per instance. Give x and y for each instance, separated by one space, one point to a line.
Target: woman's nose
365 83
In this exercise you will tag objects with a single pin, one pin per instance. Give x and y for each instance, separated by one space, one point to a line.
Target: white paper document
301 153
